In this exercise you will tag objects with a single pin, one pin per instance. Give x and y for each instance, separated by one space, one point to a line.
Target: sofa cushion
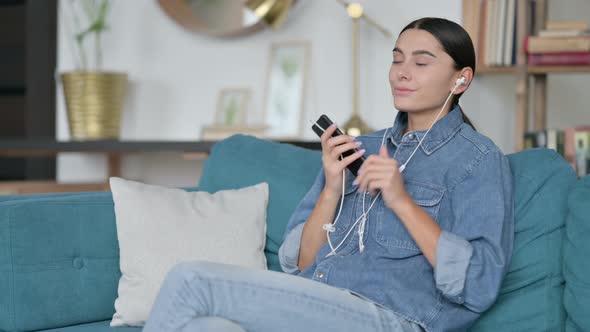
95 327
59 260
576 263
242 161
531 295
158 227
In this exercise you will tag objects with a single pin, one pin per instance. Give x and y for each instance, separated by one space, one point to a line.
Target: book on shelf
559 44
576 148
572 143
563 33
546 138
537 44
559 59
491 24
556 25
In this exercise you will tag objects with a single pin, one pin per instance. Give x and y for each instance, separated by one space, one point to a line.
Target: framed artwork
232 106
285 89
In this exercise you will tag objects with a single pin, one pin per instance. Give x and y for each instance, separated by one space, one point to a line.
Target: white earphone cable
330 227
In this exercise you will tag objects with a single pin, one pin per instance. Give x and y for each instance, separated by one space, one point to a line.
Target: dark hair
454 40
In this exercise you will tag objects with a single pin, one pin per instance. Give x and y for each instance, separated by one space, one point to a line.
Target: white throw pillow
158 227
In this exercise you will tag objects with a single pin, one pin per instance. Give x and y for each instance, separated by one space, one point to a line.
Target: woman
425 249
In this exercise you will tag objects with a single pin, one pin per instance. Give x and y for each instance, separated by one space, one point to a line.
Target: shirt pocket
391 232
347 214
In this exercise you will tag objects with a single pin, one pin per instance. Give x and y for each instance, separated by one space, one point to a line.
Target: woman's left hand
380 172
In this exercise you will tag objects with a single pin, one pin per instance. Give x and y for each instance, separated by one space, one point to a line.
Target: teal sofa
59 266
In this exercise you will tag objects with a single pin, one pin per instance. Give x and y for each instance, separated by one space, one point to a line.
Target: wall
176 76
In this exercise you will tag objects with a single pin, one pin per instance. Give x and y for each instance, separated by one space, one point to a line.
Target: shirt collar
442 131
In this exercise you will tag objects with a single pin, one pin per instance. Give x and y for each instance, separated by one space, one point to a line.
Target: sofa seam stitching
10 213
548 282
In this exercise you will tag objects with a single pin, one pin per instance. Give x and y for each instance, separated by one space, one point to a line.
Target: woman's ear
467 73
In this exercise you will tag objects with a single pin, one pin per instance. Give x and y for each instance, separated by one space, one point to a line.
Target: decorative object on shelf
94 98
230 116
232 107
227 18
285 88
356 126
217 132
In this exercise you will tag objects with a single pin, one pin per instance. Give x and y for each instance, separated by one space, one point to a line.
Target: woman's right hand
332 148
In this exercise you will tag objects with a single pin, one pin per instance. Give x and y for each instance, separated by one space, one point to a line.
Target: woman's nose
404 73
400 72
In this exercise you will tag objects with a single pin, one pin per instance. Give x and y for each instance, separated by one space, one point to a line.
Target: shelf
534 70
495 69
25 147
114 149
557 69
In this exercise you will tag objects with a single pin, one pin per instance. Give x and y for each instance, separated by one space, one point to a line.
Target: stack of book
491 24
572 143
560 44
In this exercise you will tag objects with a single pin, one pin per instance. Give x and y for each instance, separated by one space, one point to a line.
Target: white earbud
460 81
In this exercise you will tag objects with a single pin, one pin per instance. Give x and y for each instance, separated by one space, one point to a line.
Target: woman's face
422 74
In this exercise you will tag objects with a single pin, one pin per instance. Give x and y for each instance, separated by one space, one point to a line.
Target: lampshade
273 12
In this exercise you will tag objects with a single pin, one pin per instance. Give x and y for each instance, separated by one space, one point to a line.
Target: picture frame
232 107
287 73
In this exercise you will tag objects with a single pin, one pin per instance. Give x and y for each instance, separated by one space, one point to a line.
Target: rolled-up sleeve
473 256
289 250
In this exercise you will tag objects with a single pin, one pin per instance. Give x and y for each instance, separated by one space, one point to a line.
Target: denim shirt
463 181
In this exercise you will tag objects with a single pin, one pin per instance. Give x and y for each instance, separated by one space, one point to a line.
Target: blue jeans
203 296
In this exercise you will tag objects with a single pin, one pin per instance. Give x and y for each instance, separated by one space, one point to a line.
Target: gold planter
94 102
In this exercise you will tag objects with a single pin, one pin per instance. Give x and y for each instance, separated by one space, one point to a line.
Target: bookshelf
531 80
557 69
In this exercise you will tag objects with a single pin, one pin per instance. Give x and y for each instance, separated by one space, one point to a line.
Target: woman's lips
402 91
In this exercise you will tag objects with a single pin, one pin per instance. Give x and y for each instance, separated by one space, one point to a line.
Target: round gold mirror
227 18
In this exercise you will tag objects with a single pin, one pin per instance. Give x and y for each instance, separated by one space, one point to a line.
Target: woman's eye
421 64
396 61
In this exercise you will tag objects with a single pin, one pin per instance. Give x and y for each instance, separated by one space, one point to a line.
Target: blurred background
197 71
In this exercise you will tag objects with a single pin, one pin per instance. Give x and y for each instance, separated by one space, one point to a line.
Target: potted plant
94 97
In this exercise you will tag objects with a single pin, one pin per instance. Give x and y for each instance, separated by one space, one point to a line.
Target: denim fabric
464 182
205 296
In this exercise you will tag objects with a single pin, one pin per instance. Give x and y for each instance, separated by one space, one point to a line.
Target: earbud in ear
461 81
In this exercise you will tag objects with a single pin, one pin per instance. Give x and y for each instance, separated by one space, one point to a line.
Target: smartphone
322 125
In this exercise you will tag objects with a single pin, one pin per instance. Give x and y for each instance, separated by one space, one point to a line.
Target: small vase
94 102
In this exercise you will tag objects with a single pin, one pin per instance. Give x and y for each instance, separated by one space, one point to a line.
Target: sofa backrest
241 161
531 295
576 250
